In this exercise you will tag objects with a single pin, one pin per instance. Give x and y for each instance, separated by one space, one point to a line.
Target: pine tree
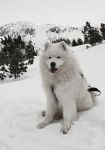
16 61
67 41
3 72
79 41
94 36
85 30
91 35
102 29
30 53
14 57
74 43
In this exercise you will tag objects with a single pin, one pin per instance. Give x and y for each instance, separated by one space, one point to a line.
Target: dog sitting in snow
66 88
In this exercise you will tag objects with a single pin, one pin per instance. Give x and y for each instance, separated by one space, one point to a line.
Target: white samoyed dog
64 83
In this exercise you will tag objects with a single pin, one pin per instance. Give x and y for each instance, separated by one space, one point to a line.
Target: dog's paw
65 127
64 130
43 113
41 125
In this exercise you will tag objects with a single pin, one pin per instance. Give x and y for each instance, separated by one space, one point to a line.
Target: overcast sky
65 12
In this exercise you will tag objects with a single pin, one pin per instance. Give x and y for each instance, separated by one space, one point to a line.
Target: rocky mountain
40 34
21 28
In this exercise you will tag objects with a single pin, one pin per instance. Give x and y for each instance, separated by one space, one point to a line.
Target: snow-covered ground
22 100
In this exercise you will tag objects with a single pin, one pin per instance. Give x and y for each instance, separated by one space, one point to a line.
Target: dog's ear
63 45
46 46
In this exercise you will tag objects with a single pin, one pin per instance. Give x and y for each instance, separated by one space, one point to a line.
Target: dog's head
55 56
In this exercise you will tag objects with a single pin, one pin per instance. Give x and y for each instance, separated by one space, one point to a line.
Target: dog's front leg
52 108
69 113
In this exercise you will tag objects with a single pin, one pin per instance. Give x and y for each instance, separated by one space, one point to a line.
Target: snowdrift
22 100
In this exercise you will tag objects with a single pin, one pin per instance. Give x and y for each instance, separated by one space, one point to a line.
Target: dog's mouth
53 70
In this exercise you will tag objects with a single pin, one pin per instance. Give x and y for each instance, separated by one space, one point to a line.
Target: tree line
68 42
92 35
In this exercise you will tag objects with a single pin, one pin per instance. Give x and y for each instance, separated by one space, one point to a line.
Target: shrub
15 56
102 29
79 41
67 41
74 43
91 35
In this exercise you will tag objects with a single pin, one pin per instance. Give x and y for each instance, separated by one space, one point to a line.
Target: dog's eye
58 57
49 57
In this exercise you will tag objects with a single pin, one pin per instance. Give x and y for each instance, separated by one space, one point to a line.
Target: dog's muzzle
53 67
53 70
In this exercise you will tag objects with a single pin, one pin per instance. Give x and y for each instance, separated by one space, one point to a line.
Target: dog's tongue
53 70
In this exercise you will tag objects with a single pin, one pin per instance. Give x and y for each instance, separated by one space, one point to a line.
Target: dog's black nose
53 64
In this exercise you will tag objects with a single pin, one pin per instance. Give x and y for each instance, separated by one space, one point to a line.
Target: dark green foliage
17 64
94 36
67 41
91 35
85 32
3 72
30 52
15 56
79 41
102 29
74 43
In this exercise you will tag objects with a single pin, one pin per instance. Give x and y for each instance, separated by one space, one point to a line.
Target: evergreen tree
94 36
74 43
85 30
91 34
14 57
102 29
3 72
17 65
67 41
79 41
30 53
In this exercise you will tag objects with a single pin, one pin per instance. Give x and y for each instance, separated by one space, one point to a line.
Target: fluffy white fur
70 88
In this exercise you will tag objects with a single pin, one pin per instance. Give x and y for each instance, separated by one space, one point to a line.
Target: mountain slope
21 27
40 34
22 100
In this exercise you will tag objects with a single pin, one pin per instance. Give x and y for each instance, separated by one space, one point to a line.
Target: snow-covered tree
67 41
102 29
91 34
15 55
79 41
74 43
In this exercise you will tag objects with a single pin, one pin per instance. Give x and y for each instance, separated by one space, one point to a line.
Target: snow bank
22 100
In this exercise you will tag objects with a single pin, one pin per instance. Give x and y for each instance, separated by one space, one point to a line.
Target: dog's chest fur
56 93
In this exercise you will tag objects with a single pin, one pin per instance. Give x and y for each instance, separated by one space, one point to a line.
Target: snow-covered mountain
40 34
22 28
22 100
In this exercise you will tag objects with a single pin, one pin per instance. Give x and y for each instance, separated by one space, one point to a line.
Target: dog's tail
94 91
